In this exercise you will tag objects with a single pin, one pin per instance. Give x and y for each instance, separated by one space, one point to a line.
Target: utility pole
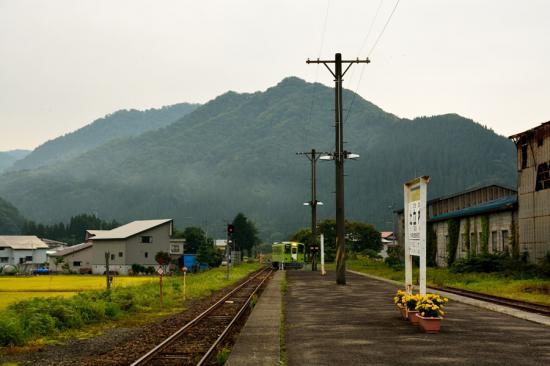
107 271
313 156
339 155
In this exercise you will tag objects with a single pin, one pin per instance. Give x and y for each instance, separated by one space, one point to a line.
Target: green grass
37 319
531 290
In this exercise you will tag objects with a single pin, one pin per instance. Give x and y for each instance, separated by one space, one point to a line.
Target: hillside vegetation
11 220
237 154
8 158
120 124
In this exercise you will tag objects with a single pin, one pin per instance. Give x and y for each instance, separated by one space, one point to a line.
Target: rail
158 350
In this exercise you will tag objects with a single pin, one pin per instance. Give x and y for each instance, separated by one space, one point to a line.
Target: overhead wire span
370 53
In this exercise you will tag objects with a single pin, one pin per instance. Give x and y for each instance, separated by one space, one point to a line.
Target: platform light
352 156
326 157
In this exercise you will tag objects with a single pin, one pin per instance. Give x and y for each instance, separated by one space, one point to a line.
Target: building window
76 264
543 177
112 257
28 258
120 254
540 142
504 239
4 259
146 255
146 239
494 241
523 155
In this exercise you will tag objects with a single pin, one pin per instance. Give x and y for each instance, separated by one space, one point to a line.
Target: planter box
403 311
429 325
412 317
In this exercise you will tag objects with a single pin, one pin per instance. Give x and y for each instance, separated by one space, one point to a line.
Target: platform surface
259 341
358 324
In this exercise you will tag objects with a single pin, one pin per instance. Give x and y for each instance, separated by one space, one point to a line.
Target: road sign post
160 271
415 195
184 270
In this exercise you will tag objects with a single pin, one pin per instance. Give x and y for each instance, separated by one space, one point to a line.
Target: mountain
236 153
10 219
120 124
7 158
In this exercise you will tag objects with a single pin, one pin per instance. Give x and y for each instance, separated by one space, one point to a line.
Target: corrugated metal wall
534 206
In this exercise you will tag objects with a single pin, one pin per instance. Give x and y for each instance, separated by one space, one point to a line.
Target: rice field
13 289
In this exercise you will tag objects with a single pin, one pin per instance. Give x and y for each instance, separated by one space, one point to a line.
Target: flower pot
429 325
412 317
403 311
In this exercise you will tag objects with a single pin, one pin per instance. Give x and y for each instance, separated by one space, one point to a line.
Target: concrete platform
259 342
358 324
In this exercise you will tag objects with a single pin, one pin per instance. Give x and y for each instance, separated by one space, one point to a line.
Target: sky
65 63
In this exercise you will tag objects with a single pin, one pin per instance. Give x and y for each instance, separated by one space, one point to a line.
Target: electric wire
368 56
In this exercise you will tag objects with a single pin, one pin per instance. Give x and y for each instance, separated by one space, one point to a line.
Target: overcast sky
65 63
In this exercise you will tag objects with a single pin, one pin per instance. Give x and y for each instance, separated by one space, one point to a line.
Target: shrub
222 356
489 263
371 253
11 332
543 269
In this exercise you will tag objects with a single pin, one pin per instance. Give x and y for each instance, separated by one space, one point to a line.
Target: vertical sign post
184 270
323 272
415 195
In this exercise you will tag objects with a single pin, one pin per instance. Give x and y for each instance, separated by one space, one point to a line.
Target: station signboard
415 194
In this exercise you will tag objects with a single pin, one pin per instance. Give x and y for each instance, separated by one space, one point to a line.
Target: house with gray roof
25 251
78 258
134 243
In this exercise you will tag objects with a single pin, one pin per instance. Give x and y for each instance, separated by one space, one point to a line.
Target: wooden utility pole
313 156
339 155
107 271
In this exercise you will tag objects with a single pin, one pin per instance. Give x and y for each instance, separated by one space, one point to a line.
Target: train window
294 250
287 248
300 249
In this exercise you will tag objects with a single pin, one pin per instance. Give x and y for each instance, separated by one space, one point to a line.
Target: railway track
517 304
197 341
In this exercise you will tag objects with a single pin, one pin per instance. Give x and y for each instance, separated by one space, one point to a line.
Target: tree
245 236
207 253
59 260
359 237
163 258
194 238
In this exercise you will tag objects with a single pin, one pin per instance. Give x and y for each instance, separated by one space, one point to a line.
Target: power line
384 28
369 54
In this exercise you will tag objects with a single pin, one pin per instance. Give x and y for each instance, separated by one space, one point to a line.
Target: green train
287 254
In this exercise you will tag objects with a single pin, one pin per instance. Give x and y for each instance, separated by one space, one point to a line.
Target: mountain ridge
237 153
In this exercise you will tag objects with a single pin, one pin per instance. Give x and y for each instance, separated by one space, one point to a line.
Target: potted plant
398 301
430 312
410 301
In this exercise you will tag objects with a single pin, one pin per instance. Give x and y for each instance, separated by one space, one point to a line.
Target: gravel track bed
117 346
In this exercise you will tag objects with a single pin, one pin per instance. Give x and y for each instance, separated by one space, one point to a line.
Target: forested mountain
7 158
11 220
120 124
237 154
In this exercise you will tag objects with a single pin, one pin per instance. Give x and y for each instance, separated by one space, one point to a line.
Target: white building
77 257
25 252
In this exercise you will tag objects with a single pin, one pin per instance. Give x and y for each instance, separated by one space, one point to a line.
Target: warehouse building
533 167
470 222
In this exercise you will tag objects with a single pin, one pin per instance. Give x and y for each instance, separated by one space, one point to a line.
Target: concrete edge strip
535 318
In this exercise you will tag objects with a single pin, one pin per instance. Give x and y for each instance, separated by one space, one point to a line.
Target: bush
490 263
11 332
543 269
371 253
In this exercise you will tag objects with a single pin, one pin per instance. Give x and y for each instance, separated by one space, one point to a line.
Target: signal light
230 229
